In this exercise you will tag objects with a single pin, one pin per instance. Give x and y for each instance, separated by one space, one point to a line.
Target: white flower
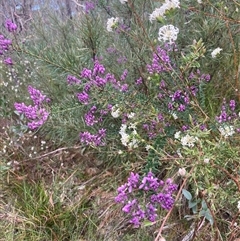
123 129
168 33
148 147
132 126
172 4
158 13
111 23
226 130
206 160
238 206
133 144
115 111
215 52
129 140
177 135
123 1
188 140
199 1
182 172
131 115
174 115
125 139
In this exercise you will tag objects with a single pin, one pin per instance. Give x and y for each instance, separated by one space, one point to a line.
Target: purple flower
83 97
124 75
36 95
139 81
100 82
191 76
8 61
10 26
160 62
151 212
160 117
73 80
86 73
4 43
181 108
91 139
156 192
194 90
177 95
170 106
98 68
35 115
232 105
122 60
203 127
186 99
89 6
135 221
149 182
124 88
127 208
133 181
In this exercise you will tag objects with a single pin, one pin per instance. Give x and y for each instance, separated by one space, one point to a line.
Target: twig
170 211
229 175
53 152
232 225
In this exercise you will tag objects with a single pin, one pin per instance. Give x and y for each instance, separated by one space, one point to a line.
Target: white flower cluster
238 206
115 111
215 52
131 115
129 140
123 1
168 33
226 131
111 23
188 140
158 13
177 135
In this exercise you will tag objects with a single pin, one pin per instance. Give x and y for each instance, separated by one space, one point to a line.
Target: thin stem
170 211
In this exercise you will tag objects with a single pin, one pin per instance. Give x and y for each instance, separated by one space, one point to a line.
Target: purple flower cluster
89 6
71 80
93 139
179 100
199 77
83 97
36 115
5 43
153 128
160 62
97 78
90 117
4 47
124 75
37 97
10 26
228 113
156 192
122 28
